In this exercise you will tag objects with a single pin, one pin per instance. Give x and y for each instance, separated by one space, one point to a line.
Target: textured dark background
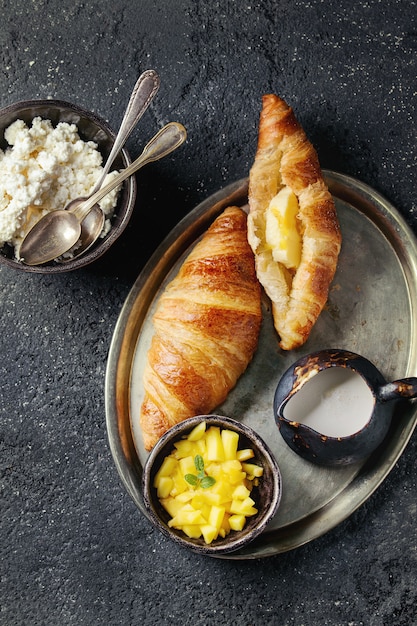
74 549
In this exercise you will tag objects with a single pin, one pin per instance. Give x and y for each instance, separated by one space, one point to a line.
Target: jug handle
403 388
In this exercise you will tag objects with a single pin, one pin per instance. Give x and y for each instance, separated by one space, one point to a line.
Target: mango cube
200 447
187 465
192 530
209 533
237 522
252 470
185 496
243 507
165 484
197 432
186 516
216 516
245 454
230 440
215 451
183 448
180 484
169 465
171 505
240 492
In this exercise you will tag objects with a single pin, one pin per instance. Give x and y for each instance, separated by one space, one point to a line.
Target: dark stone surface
74 549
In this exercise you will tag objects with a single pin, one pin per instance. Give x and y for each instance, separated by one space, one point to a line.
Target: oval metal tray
370 310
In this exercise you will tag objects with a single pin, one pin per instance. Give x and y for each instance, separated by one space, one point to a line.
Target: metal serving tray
371 310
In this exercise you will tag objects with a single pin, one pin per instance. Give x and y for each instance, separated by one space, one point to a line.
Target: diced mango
236 477
180 484
200 503
214 469
201 509
205 511
171 505
169 465
232 464
187 465
252 470
234 471
209 533
212 498
192 531
243 507
200 447
216 516
230 440
215 451
245 454
237 522
225 526
197 432
185 517
240 492
185 496
183 448
222 487
165 484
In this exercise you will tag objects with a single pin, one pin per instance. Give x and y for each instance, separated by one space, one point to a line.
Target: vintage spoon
143 93
58 231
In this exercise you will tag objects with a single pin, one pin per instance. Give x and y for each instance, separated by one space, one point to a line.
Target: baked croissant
292 224
206 329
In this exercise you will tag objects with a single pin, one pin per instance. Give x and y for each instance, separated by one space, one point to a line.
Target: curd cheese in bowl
42 170
51 152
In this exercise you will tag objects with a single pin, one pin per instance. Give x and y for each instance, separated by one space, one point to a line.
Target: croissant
286 162
206 329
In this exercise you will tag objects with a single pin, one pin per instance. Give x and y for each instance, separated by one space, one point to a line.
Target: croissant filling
281 229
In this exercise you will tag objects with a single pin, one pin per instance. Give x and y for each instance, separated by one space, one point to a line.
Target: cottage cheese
43 169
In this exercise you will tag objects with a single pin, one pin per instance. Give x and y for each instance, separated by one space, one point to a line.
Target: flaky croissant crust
206 325
285 157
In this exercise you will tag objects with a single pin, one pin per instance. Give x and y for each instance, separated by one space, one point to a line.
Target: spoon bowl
334 407
91 228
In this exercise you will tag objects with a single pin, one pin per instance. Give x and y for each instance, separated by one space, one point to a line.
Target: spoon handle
166 140
142 95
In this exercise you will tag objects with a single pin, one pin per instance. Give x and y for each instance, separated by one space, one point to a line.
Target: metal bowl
91 127
267 494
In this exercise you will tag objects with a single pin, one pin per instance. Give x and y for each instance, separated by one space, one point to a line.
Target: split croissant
206 324
286 158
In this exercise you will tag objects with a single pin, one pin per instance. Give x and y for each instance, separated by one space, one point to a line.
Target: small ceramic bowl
267 494
91 127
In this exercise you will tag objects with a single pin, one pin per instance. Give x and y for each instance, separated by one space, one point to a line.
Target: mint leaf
201 480
206 482
191 479
199 463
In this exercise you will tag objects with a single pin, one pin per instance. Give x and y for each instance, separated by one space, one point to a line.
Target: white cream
336 402
43 169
